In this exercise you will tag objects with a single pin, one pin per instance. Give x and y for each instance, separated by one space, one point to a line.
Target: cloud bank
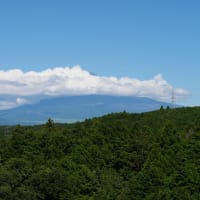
58 81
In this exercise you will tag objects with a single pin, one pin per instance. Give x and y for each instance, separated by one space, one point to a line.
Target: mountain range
76 108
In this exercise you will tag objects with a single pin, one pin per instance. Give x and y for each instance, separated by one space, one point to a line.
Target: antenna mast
173 99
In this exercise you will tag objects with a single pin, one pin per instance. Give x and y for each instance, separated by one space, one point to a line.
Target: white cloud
21 101
76 81
12 103
7 105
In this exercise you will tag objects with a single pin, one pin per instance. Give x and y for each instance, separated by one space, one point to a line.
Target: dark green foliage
150 156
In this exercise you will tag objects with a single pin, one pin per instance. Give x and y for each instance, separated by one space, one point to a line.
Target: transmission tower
173 99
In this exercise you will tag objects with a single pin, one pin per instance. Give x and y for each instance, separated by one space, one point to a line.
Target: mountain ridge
76 108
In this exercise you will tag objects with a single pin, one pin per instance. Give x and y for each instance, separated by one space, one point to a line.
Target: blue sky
134 38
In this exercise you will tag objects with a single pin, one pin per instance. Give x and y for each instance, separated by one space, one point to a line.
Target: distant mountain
76 108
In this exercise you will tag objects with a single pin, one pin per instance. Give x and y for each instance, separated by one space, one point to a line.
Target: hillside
75 108
121 156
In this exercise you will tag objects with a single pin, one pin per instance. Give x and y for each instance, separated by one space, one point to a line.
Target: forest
119 156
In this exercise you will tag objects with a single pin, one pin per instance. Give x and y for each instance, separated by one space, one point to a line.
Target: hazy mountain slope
75 108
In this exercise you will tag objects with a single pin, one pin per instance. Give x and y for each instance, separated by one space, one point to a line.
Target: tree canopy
119 156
